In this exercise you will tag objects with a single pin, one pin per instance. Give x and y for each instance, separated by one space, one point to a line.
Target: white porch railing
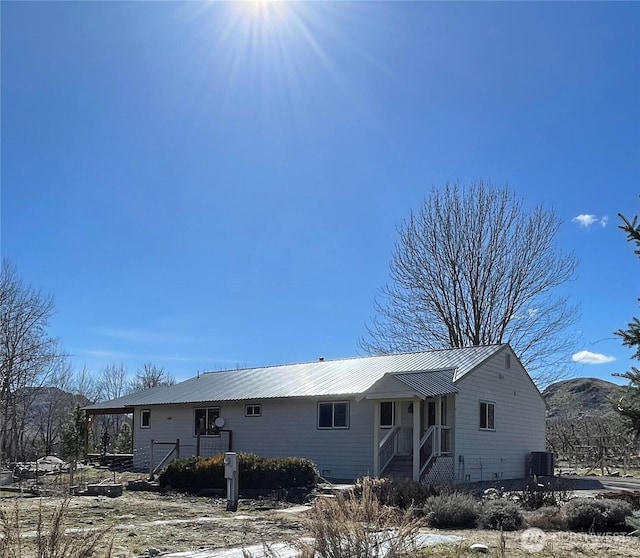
427 448
435 441
388 447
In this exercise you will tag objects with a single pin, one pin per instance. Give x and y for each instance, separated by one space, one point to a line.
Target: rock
481 548
615 474
153 551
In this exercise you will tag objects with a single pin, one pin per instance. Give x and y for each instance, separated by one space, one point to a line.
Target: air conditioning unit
541 463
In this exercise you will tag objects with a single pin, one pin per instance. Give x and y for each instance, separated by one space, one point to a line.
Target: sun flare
264 10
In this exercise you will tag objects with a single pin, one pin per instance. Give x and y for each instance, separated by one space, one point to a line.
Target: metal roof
312 379
429 384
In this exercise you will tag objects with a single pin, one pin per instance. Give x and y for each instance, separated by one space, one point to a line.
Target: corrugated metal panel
321 378
429 384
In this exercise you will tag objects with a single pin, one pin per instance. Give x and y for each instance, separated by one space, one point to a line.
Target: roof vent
321 359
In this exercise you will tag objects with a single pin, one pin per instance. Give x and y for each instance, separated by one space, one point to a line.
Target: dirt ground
173 522
166 522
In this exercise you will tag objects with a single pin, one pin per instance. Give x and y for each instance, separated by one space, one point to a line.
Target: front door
406 428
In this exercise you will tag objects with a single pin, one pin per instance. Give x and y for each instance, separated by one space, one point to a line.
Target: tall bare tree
113 382
27 354
150 376
86 385
472 267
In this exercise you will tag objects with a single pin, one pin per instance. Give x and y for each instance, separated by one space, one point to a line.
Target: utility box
231 474
230 464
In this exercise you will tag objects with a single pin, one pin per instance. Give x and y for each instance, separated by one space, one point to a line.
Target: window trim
144 412
333 415
253 406
216 431
486 415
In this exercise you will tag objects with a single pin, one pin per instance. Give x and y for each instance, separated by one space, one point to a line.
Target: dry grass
52 539
359 525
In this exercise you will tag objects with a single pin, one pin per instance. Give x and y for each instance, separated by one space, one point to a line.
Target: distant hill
581 396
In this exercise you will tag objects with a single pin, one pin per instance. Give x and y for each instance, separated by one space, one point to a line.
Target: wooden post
177 448
417 435
198 445
438 432
87 423
151 459
376 439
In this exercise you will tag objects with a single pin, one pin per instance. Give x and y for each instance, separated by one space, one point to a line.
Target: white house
452 415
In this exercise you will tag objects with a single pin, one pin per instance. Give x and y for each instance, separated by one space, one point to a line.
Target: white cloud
586 220
587 357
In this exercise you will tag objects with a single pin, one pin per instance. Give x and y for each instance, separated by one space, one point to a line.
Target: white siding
287 427
519 421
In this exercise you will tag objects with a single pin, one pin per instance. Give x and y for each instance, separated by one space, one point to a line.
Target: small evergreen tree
629 404
124 442
74 435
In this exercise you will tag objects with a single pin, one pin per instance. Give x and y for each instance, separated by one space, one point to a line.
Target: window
333 415
487 415
386 414
252 410
205 421
431 412
145 418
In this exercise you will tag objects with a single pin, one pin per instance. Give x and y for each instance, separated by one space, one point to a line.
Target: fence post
177 448
151 459
198 445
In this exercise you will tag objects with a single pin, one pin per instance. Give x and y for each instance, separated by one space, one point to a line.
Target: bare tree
471 267
113 382
150 376
85 385
27 354
50 409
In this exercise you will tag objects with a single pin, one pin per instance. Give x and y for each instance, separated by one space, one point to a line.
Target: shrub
195 473
586 514
536 495
452 510
547 518
631 497
398 493
358 524
501 514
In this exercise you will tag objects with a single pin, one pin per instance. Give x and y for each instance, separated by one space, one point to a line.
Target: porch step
401 466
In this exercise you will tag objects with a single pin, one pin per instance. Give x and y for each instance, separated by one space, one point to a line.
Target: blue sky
213 185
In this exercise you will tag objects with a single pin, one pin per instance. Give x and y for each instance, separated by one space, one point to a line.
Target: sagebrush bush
547 518
195 473
631 497
452 510
358 524
536 495
399 493
501 514
586 514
